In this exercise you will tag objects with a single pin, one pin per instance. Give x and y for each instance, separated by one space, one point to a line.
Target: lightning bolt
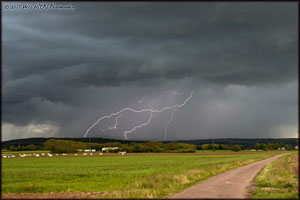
139 126
176 93
115 125
141 100
170 120
151 110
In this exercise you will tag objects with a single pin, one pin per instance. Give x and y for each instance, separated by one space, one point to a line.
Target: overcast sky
64 69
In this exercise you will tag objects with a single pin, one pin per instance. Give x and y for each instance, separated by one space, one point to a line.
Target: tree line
220 147
69 146
271 146
25 147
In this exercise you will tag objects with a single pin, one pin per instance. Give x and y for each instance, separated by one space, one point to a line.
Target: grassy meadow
129 176
278 179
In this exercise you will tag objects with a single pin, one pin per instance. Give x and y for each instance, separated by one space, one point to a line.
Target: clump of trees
257 146
25 148
271 146
220 147
148 147
63 146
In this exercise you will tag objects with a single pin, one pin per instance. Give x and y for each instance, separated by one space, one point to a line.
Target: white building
90 150
109 148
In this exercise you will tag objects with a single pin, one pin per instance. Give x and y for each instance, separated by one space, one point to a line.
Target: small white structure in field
253 150
37 155
296 147
64 154
283 148
100 154
56 154
4 156
85 154
91 154
43 154
13 156
76 154
33 154
29 154
109 148
122 153
90 150
8 156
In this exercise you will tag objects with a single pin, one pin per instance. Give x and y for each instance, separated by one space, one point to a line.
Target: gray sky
63 69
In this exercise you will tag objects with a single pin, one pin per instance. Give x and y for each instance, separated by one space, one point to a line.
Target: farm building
90 150
109 148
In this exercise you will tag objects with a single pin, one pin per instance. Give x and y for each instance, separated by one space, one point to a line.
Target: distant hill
227 141
40 141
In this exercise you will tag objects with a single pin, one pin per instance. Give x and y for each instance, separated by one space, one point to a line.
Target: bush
236 148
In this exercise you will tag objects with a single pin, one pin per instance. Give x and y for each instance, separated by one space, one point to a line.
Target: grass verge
279 179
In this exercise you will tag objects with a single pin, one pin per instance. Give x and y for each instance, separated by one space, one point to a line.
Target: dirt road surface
235 183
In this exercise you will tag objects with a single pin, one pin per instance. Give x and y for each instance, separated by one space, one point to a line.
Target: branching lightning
115 124
139 126
118 114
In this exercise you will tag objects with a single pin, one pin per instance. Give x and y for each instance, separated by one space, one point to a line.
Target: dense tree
12 148
263 146
204 146
256 146
199 147
224 147
236 148
171 146
138 148
63 146
270 146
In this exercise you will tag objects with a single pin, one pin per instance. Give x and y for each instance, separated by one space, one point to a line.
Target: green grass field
277 180
137 176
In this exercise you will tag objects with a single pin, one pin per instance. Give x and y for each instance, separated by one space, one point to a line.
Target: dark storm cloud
60 65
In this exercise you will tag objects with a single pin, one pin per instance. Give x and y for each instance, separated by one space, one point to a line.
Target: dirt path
235 183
